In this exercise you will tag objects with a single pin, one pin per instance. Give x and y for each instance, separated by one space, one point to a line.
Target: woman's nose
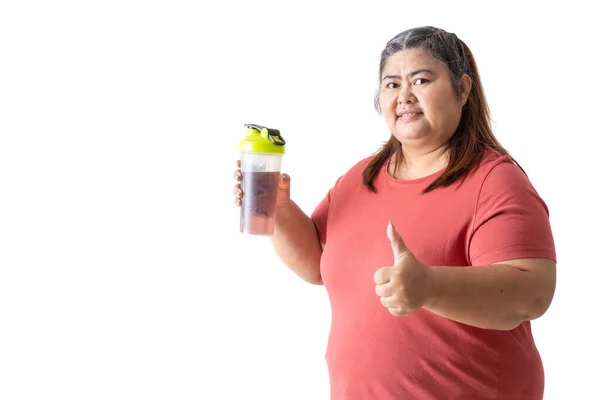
406 95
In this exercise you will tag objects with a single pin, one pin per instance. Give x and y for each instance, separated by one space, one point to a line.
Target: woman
438 308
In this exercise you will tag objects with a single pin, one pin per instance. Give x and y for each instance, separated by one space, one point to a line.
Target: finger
389 302
399 311
383 275
237 191
284 181
237 175
238 164
238 201
385 290
398 246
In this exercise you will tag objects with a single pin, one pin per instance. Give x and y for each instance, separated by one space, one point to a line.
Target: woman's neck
418 164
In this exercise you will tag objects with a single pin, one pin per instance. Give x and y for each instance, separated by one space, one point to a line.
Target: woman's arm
296 242
498 296
295 237
511 219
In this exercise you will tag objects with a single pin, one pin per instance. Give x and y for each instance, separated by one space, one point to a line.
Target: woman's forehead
411 59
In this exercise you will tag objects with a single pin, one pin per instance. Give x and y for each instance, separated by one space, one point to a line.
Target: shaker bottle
261 152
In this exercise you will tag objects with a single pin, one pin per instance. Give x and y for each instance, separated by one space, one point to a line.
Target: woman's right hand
283 197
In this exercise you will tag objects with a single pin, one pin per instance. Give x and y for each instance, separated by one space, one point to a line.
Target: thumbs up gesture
408 284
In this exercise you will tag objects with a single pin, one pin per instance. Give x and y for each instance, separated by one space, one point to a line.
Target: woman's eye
392 85
421 81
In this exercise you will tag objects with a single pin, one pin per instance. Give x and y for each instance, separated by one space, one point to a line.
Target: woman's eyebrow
410 74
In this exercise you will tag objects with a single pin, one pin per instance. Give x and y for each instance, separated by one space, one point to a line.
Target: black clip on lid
276 137
274 134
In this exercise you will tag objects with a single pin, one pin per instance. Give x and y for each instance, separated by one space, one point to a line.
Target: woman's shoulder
495 172
357 168
491 157
494 162
353 175
499 173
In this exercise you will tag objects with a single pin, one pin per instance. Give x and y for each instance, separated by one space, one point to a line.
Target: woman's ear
465 88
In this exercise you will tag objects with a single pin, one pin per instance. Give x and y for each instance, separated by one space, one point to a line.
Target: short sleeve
319 217
320 214
511 220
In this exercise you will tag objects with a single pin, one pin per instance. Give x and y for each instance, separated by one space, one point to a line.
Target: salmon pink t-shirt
493 216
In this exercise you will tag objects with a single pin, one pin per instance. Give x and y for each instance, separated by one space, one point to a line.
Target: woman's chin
410 136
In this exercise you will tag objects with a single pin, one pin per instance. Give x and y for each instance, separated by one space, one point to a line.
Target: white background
122 273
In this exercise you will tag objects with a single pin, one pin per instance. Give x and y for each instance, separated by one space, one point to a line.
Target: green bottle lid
259 139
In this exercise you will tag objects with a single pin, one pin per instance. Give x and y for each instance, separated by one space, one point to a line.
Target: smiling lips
409 115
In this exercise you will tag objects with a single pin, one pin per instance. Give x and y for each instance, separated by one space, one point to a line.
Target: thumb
398 246
284 187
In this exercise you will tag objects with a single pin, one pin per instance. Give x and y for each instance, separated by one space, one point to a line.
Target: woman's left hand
406 286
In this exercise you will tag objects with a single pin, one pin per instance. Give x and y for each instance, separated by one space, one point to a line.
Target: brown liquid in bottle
259 203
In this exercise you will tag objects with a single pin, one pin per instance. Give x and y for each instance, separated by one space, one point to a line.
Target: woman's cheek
387 103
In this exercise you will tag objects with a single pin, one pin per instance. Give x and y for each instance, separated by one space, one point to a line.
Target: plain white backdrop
122 273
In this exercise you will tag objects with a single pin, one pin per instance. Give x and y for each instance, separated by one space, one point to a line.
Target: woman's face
418 102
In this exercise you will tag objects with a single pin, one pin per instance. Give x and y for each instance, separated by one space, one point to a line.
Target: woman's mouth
408 116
